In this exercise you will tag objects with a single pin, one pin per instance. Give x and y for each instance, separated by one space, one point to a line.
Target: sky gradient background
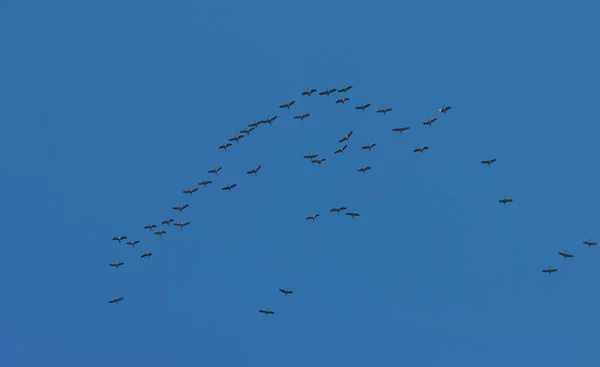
109 109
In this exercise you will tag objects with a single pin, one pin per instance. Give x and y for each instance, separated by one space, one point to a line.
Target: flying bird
133 243
430 121
120 238
589 243
215 171
368 147
269 120
384 110
346 137
205 183
353 214
327 92
254 125
345 89
308 92
286 291
319 161
312 217
150 226
401 129
247 131
342 100
337 209
550 270
116 265
160 232
363 107
287 104
505 201
147 254
181 207
229 187
421 149
341 150
444 109
311 156
267 312
237 138
190 191
224 146
489 161
116 300
364 169
302 116
565 254
254 170
182 224
168 221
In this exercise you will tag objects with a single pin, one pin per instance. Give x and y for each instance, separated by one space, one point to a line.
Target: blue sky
109 109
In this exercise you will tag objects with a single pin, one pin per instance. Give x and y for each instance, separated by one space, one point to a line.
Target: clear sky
109 109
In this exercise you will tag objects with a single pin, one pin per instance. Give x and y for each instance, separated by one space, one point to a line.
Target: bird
401 129
346 137
147 254
384 110
565 254
287 104
119 238
444 109
430 121
342 100
133 243
267 312
229 187
181 207
353 214
190 191
327 92
168 221
302 116
489 161
182 224
345 89
311 156
215 170
236 138
341 150
364 169
505 201
308 92
319 161
116 265
254 170
368 147
255 124
363 107
286 291
224 146
247 131
589 243
205 183
150 226
337 209
116 300
550 270
421 149
312 217
269 120
160 232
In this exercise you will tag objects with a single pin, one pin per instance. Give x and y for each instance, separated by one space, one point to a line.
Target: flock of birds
314 158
